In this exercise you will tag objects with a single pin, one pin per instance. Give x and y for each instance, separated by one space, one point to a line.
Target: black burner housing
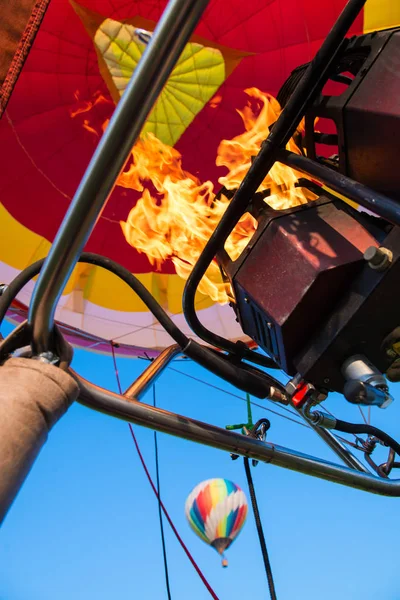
304 292
365 113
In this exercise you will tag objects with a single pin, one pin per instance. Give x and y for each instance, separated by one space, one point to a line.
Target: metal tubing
156 367
165 421
310 85
153 371
168 41
331 440
340 449
378 203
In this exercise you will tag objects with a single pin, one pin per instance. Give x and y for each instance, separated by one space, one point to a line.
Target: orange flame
180 224
86 106
179 221
215 101
237 154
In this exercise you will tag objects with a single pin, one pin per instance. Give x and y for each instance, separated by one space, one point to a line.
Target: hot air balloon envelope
81 60
216 510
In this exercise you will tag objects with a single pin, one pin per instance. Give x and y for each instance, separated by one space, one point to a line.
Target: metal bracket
129 408
187 428
164 48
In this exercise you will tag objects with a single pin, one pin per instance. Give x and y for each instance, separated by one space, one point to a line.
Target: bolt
378 258
246 300
326 380
3 287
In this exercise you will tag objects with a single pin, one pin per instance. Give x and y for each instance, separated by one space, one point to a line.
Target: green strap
249 424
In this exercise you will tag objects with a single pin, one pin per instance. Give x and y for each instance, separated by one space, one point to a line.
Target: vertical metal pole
168 41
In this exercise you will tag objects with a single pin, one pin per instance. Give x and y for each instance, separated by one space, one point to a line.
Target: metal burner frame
172 33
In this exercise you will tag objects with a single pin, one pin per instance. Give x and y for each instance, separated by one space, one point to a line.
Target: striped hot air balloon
216 510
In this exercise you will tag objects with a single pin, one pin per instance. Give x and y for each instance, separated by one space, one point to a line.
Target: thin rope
261 537
180 540
243 399
362 414
160 516
356 446
349 443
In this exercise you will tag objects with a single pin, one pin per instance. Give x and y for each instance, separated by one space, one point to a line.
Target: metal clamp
384 469
257 432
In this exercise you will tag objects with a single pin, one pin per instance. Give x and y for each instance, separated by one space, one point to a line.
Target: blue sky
85 525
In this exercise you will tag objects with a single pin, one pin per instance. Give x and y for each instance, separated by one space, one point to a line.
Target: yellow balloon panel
381 14
196 77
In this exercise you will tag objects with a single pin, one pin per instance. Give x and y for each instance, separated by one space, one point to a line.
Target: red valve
302 394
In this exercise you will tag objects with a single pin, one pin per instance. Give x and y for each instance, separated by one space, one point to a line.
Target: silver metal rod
336 445
159 58
378 203
340 449
156 367
204 433
152 373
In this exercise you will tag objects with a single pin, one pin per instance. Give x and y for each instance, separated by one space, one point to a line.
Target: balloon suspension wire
357 446
161 504
160 515
261 537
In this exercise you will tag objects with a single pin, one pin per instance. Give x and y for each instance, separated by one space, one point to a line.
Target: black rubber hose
261 537
346 427
106 263
147 298
243 376
251 380
13 289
